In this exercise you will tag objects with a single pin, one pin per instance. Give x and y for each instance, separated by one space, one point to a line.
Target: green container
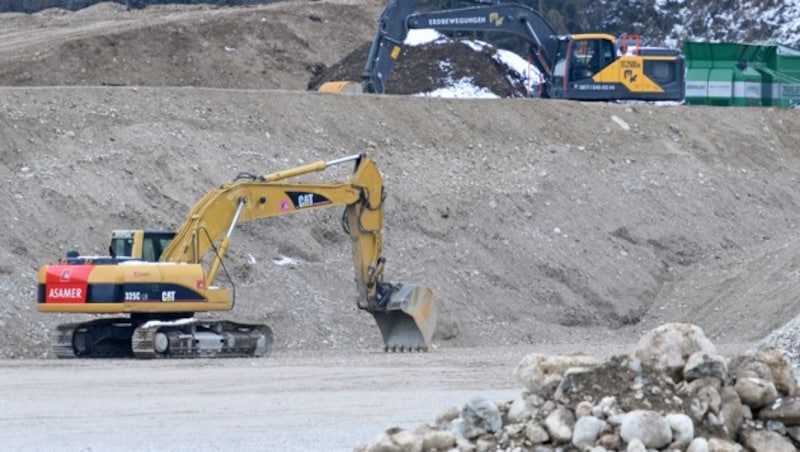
698 65
742 74
786 86
710 73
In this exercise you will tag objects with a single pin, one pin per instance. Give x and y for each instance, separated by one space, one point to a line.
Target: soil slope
534 221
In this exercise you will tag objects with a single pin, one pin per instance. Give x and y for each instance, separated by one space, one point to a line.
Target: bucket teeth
393 347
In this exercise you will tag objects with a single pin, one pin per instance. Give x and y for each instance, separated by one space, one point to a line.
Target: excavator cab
139 244
588 56
580 57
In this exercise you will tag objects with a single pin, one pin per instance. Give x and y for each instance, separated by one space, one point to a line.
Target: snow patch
422 36
284 260
461 88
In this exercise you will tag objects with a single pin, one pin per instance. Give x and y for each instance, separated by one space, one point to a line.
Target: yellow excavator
588 66
161 279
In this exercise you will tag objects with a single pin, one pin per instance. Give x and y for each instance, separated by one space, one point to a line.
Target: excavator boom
161 295
400 16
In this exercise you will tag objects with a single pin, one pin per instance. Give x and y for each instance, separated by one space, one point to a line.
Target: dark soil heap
428 67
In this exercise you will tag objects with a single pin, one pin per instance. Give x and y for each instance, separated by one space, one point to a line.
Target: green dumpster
742 74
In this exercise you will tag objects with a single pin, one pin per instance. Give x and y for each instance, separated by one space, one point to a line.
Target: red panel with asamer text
67 283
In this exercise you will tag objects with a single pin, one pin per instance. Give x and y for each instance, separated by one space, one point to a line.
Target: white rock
648 427
699 444
536 433
480 412
537 371
583 408
395 440
682 428
635 445
586 431
520 410
670 345
559 425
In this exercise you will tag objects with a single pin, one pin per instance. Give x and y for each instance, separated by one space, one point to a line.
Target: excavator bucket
341 87
409 319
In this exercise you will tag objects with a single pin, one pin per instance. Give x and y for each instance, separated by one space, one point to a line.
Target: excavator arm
404 314
210 224
400 16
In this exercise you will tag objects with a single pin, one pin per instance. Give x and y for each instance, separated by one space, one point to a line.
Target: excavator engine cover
408 320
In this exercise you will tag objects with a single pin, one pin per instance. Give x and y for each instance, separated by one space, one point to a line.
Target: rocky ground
535 222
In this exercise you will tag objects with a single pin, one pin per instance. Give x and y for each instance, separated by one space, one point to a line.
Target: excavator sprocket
192 338
100 338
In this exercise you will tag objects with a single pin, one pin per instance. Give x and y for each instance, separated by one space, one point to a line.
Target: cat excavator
588 66
159 280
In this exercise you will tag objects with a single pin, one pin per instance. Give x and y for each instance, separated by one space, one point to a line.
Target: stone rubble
673 392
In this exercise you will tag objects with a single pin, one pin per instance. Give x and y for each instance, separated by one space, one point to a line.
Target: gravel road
288 402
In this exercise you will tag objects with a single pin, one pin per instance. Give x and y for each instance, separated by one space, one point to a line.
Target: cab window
606 53
148 250
585 59
122 247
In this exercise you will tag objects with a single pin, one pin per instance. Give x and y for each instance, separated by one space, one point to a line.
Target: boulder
536 433
756 392
586 431
559 425
646 426
732 411
766 441
699 444
668 347
785 410
394 440
682 429
541 374
781 368
702 365
481 413
723 445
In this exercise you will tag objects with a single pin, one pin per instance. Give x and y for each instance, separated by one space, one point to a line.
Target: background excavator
161 279
589 66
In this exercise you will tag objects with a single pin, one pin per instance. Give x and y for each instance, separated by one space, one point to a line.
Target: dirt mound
281 46
277 46
434 66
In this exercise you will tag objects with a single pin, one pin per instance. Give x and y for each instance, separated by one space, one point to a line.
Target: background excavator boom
400 16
